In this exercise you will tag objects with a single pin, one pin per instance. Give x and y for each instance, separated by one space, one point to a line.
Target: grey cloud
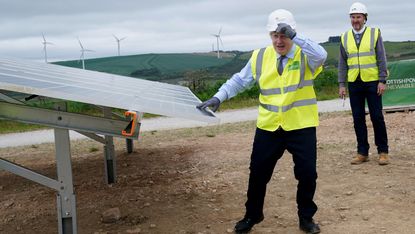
176 26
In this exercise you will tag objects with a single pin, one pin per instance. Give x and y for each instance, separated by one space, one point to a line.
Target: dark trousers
268 147
360 91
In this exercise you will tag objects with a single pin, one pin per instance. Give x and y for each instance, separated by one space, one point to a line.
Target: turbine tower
118 42
44 42
83 50
218 38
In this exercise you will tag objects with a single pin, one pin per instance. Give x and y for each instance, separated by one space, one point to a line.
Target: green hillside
394 51
174 68
152 66
400 50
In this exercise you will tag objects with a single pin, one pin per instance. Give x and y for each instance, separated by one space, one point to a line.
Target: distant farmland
173 67
394 51
152 66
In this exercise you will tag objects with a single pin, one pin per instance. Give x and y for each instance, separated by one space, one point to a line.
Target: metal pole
109 154
130 145
66 201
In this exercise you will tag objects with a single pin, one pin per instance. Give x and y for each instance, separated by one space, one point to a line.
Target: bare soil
194 181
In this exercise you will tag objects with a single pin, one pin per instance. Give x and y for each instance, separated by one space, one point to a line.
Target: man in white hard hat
362 63
287 115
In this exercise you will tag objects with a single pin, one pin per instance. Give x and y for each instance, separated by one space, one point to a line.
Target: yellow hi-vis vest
363 59
286 101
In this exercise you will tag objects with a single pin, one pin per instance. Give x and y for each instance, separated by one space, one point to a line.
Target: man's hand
381 88
342 92
286 30
214 103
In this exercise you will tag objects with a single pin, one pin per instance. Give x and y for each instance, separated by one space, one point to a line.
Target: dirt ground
194 181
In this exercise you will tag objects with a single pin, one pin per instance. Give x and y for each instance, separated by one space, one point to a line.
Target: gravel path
160 123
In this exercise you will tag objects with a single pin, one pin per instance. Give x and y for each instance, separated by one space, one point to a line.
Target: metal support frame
93 136
62 121
129 142
28 174
9 99
66 200
130 145
66 120
109 154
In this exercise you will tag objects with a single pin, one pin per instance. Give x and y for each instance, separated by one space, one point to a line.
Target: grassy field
173 67
151 66
394 51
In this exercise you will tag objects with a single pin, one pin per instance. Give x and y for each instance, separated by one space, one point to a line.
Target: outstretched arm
236 84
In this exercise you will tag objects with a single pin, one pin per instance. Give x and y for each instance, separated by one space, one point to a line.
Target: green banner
401 84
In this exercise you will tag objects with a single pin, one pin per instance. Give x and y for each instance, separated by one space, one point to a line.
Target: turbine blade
116 38
220 30
80 44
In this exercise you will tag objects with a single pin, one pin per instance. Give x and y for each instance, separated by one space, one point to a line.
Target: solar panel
101 89
91 87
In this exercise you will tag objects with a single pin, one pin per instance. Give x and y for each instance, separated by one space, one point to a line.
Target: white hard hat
280 16
358 8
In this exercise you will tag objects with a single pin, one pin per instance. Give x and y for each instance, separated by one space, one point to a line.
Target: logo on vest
294 66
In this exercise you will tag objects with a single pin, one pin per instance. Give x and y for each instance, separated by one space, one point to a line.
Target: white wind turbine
44 42
218 38
83 50
118 42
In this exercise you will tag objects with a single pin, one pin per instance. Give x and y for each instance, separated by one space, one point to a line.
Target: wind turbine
118 42
44 42
83 50
218 39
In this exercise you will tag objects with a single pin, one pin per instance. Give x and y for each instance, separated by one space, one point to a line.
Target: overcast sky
170 26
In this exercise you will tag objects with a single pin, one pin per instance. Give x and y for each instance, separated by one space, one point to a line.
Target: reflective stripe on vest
259 63
299 103
362 66
287 89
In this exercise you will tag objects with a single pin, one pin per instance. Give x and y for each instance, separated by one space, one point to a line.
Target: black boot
308 226
245 225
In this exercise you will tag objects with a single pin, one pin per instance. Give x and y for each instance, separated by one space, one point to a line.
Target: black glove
286 30
214 102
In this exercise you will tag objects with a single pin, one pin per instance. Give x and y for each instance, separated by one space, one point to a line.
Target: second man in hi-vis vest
362 63
287 115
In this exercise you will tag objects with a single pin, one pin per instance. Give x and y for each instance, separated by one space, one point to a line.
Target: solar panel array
101 89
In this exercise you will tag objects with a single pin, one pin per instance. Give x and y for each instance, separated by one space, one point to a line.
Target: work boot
383 159
359 159
309 226
245 225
